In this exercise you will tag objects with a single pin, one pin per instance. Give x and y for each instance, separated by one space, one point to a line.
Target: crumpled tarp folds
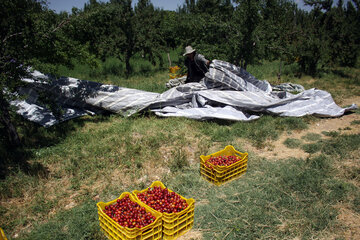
226 92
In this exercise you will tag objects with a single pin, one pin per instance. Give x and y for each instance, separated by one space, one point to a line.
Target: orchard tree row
240 31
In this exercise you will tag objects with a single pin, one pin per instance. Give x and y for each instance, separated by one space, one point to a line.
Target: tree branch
10 36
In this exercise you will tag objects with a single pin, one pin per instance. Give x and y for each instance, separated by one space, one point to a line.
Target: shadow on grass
33 137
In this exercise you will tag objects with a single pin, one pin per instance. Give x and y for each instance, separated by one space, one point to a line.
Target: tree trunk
279 73
5 120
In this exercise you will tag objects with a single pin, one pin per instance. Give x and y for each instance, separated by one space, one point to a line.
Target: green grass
331 134
78 223
265 129
72 166
355 122
292 143
311 137
277 200
312 147
338 145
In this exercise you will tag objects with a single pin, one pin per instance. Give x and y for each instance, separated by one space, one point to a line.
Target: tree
124 24
31 35
320 4
16 38
247 19
149 37
205 24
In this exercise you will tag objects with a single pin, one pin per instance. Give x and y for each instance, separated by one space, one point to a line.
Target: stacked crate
166 225
2 235
219 175
113 230
174 224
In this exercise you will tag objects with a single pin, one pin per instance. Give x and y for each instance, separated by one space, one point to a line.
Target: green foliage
113 66
327 38
247 19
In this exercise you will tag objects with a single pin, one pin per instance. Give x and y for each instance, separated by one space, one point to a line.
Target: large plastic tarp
227 92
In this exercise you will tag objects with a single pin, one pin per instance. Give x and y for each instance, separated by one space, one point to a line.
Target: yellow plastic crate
219 175
113 230
2 235
174 72
174 69
174 224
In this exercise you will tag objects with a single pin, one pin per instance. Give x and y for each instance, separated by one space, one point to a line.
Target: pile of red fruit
163 200
129 214
223 160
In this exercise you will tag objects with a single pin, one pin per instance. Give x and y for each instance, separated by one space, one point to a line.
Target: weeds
179 160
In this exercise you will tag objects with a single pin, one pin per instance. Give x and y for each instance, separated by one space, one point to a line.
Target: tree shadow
16 158
35 136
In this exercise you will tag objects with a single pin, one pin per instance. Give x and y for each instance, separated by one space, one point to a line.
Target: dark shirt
196 68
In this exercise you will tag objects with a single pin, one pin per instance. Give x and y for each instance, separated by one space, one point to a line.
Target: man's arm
201 60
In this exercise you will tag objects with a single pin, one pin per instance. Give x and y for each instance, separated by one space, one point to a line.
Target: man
196 64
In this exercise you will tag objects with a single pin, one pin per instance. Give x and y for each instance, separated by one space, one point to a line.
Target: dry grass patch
192 235
350 221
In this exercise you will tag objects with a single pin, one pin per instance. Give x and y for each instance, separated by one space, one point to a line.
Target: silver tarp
227 92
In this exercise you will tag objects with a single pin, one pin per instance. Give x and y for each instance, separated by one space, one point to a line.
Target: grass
331 134
265 129
311 137
292 143
72 166
284 199
271 200
355 122
338 145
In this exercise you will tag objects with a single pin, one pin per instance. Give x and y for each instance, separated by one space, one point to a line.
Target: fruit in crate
162 200
223 160
129 214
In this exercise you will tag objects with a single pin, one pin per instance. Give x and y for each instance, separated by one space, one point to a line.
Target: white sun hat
188 50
